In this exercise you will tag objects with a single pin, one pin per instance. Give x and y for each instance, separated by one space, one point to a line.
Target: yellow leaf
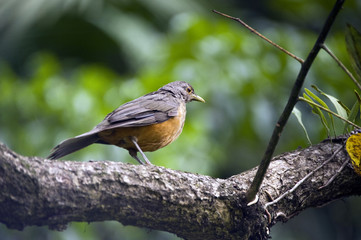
353 148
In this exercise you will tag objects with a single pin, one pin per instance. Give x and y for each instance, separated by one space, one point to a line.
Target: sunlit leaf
345 107
298 115
323 104
340 110
317 111
319 100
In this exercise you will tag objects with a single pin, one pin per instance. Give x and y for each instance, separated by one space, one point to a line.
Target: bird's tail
73 144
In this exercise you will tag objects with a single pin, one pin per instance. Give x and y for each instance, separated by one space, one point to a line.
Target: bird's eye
189 90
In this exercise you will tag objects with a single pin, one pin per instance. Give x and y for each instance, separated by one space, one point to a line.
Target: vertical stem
257 181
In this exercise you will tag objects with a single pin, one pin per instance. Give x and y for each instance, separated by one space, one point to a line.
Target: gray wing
155 107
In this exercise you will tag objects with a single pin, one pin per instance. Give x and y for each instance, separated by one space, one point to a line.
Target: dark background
65 64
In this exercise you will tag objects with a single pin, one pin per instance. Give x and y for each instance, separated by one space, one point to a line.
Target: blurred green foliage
66 64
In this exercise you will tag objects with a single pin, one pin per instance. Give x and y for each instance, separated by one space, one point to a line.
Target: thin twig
335 175
300 60
324 47
292 100
329 111
303 179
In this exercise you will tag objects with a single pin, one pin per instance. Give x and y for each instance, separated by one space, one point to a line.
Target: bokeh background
65 64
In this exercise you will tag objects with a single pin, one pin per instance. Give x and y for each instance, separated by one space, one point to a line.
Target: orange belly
149 138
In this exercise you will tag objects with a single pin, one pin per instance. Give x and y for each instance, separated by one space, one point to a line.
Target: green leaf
323 104
345 107
298 115
340 110
355 110
319 100
353 114
318 111
358 99
353 44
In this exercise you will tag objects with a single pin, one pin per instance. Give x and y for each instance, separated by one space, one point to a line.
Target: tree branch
36 191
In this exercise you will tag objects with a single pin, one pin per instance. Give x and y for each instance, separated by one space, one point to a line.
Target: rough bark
37 191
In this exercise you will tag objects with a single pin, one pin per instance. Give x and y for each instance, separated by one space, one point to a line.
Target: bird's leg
133 153
134 140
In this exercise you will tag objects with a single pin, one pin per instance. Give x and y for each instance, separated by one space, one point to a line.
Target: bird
145 124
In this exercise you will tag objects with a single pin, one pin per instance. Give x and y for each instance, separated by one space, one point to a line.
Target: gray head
182 90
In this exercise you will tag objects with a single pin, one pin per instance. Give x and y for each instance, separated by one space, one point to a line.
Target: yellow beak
197 98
